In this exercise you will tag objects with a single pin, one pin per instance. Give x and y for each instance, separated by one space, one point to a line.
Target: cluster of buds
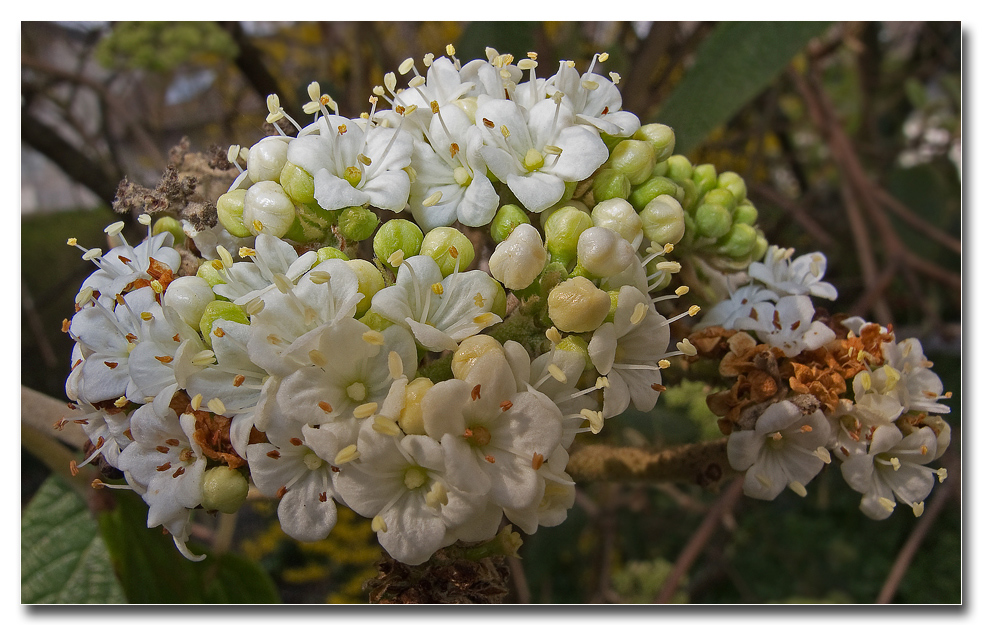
807 386
346 356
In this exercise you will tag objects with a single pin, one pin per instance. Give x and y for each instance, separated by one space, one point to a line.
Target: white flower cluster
301 372
791 442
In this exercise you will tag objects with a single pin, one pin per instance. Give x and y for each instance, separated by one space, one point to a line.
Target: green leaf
153 571
63 558
734 64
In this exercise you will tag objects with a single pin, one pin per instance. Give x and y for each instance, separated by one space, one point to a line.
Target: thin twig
812 227
921 225
699 539
520 581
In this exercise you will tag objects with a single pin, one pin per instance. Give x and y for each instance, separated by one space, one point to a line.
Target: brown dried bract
212 432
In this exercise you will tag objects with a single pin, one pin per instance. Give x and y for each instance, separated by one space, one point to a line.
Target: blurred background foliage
849 138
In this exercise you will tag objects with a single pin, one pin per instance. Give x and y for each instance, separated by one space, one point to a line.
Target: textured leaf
734 64
153 571
63 557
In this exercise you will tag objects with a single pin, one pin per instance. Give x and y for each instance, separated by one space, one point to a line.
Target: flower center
352 175
478 436
533 160
414 477
356 391
312 461
461 177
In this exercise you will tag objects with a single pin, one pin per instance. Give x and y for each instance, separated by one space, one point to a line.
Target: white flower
799 277
628 351
557 498
342 366
737 306
123 264
496 432
785 448
787 324
355 166
518 260
292 467
535 155
166 461
556 374
439 311
410 491
245 282
594 99
918 388
892 469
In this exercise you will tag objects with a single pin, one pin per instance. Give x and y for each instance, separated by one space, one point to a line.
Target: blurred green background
826 122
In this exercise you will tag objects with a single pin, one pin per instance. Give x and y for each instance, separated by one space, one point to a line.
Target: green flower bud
609 184
266 159
219 310
509 217
613 306
327 253
563 229
660 169
760 247
397 234
447 246
553 274
223 489
169 224
577 305
663 220
297 183
375 321
230 207
634 158
705 177
370 282
733 182
210 273
661 138
722 197
712 220
568 193
574 343
652 188
690 195
189 295
738 242
357 223
610 141
500 304
679 168
745 213
267 208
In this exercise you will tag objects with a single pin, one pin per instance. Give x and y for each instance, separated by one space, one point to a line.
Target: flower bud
661 138
745 213
411 417
663 220
652 188
327 253
712 220
618 215
722 197
357 223
169 224
634 159
609 184
189 295
733 182
471 350
679 168
267 208
563 229
738 242
760 247
375 321
577 305
690 195
447 246
223 489
705 177
506 220
603 252
370 282
518 260
230 206
216 310
266 159
297 183
395 235
574 343
209 273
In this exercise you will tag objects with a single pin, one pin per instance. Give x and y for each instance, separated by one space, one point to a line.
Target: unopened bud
266 159
712 220
679 168
704 176
604 252
663 220
297 183
517 261
397 234
563 229
447 246
734 183
661 138
267 208
745 213
634 159
357 223
189 295
738 242
609 184
652 188
577 305
370 282
217 310
618 215
506 220
223 489
230 207
327 253
722 197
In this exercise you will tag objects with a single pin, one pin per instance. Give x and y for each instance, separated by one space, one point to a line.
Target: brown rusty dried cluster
445 578
763 375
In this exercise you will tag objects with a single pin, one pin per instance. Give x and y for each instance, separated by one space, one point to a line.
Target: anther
317 357
506 405
476 393
489 458
196 402
640 312
385 426
395 258
553 335
365 410
280 492
686 347
215 405
274 454
347 454
164 467
433 199
164 359
326 407
693 310
557 373
373 337
296 442
798 488
395 365
537 460
378 524
239 379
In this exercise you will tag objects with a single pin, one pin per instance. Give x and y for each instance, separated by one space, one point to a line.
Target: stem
701 463
56 457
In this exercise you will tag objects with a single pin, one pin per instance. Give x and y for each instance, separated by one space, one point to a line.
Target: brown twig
921 225
520 582
812 227
699 539
702 463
